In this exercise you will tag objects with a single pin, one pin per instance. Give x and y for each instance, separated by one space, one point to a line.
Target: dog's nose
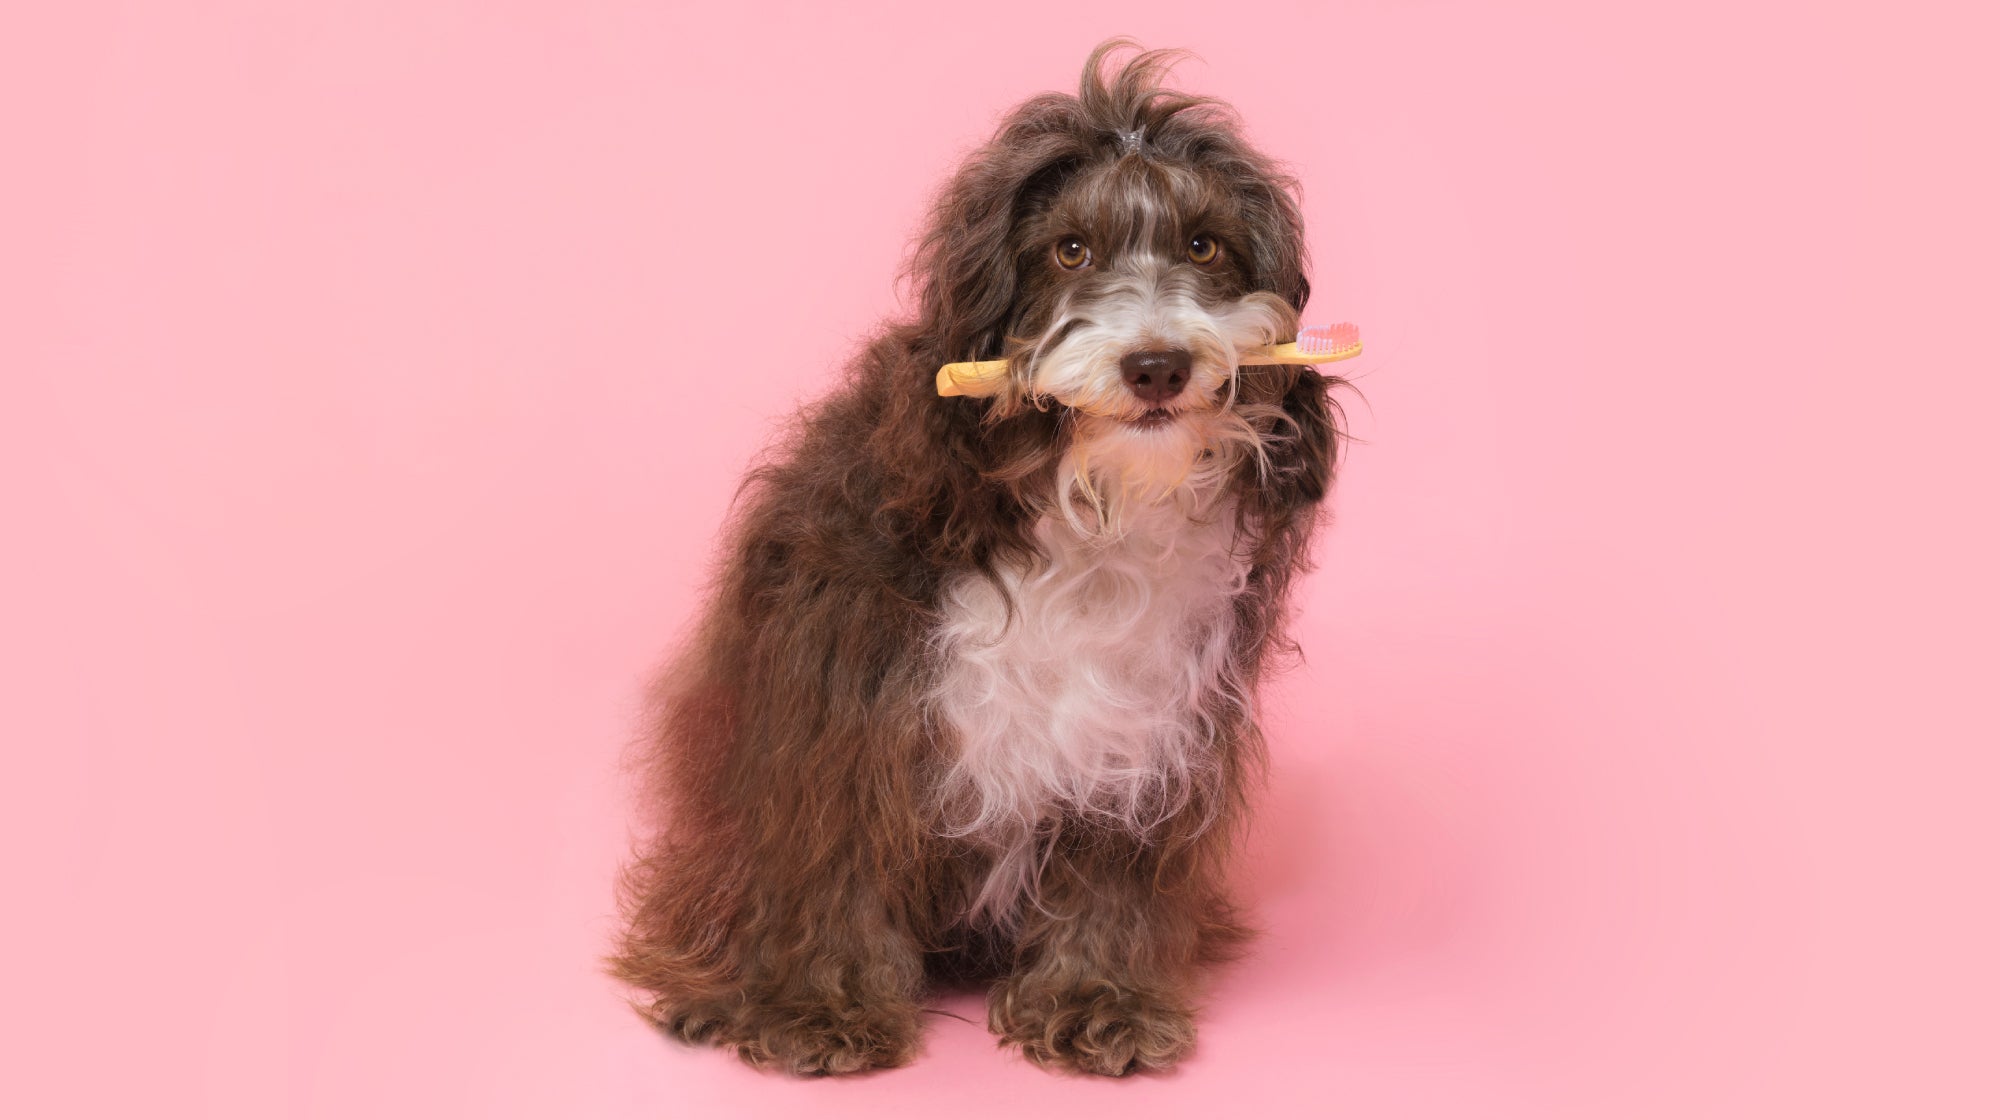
1156 376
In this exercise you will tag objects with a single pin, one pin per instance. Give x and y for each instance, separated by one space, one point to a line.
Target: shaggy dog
972 696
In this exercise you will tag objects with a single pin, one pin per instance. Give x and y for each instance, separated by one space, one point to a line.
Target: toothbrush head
1329 344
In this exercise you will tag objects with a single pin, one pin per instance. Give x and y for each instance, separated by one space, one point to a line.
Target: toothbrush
1336 343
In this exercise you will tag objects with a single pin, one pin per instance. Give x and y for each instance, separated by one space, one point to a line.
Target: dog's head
1121 248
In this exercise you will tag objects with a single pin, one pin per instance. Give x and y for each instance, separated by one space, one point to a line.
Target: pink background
365 436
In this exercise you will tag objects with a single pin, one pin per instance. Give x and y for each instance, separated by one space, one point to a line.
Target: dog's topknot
1131 105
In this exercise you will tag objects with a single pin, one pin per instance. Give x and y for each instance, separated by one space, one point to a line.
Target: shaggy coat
905 744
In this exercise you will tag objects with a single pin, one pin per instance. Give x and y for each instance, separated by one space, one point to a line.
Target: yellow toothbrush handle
972 379
1289 354
983 379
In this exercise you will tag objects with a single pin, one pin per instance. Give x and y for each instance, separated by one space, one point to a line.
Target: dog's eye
1072 253
1204 249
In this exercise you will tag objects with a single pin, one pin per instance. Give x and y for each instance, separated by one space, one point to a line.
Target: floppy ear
1299 449
1278 249
1302 460
1302 453
967 266
1279 507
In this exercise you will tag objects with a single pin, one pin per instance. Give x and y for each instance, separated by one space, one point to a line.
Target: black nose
1156 375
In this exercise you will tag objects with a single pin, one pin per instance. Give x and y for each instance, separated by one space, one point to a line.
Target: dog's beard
1123 455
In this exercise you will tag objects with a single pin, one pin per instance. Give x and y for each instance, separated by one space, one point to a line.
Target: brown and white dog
973 696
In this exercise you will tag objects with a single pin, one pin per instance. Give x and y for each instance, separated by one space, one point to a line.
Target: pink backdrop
364 443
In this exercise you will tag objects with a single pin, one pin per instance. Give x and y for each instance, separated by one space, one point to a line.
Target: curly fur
972 693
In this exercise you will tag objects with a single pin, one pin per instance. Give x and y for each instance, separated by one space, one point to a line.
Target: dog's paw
694 1021
1094 1028
821 1042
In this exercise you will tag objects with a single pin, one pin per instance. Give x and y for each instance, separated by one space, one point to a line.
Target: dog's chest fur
1088 686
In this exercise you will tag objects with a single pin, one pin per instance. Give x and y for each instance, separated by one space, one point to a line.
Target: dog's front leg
830 981
1108 952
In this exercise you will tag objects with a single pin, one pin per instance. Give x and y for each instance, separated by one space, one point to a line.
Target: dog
972 699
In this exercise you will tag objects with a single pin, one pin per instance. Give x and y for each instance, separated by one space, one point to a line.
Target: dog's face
1139 290
1121 248
1141 296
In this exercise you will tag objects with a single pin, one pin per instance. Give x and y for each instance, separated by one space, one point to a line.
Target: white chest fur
1093 694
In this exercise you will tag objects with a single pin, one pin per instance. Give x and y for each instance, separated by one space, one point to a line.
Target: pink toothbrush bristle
1329 340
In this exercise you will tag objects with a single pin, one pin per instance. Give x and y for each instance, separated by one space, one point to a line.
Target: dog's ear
1278 242
967 266
1282 489
1302 456
1301 452
1280 499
